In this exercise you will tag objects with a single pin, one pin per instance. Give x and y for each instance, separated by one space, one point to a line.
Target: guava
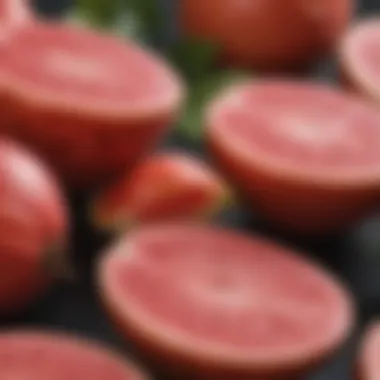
33 227
89 103
38 354
305 155
359 58
267 34
164 187
368 367
207 303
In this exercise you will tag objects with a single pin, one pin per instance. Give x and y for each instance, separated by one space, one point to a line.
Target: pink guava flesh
89 103
33 226
369 353
359 56
13 15
304 154
165 186
226 302
46 355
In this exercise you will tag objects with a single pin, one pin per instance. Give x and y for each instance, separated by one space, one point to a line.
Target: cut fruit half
208 303
37 355
359 57
369 353
90 103
306 155
13 15
165 187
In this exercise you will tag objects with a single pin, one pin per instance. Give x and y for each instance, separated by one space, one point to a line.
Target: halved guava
42 355
305 155
368 366
13 14
90 103
359 56
166 186
208 303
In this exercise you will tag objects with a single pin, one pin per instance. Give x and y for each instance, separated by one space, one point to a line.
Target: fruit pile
84 109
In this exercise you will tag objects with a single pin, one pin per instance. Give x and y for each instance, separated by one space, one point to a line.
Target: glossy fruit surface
37 355
267 34
165 187
209 303
359 56
33 227
305 155
90 104
369 351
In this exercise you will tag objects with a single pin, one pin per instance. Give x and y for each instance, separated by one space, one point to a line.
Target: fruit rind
113 209
76 341
151 335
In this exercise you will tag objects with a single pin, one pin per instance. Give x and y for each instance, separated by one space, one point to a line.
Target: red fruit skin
86 150
164 187
268 34
33 224
85 147
320 209
171 364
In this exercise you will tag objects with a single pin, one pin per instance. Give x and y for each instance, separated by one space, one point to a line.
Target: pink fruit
13 14
166 186
369 353
267 34
37 355
90 104
33 227
206 303
359 59
305 155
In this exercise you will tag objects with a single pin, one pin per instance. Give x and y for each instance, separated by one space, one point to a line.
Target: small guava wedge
40 355
208 303
368 365
166 186
304 154
90 103
359 58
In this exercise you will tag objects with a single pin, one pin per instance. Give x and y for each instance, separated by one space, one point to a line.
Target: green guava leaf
191 123
136 19
194 58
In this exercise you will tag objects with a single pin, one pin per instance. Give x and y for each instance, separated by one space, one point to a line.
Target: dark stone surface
354 256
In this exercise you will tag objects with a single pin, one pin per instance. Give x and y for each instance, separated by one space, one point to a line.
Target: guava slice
37 355
368 357
90 103
305 155
211 303
359 56
166 186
